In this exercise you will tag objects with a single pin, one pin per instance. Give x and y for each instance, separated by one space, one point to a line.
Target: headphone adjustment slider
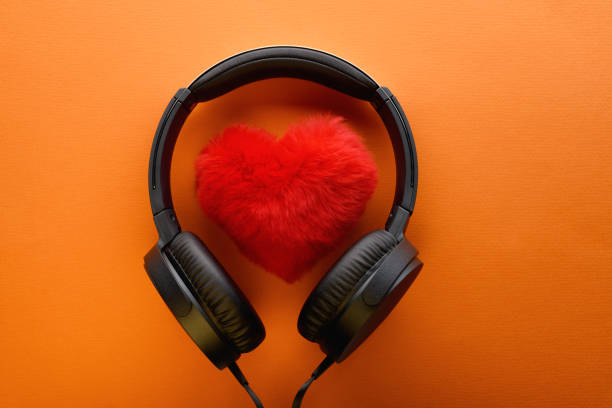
185 98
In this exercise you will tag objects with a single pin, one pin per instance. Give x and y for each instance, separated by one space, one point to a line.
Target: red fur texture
286 202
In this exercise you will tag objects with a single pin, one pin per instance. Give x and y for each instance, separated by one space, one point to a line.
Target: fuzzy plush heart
286 202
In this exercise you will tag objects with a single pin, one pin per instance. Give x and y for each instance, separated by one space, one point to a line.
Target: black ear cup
340 282
217 294
358 293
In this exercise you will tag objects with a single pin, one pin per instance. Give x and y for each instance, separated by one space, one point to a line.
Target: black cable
297 402
242 380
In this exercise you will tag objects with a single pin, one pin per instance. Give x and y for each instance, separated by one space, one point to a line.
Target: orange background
510 103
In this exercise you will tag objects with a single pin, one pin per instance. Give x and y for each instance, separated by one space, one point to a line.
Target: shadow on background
274 105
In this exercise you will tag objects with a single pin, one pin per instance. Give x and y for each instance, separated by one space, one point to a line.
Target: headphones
357 293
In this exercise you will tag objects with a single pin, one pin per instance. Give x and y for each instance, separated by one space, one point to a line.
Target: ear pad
340 282
217 293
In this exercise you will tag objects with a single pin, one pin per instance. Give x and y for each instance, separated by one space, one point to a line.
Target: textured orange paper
510 103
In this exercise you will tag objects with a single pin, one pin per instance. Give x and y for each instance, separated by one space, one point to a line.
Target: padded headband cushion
323 303
284 61
217 293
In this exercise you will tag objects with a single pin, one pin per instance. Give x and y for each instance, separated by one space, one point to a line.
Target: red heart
286 202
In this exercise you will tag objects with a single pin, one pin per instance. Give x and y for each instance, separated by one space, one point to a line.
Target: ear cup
341 281
217 293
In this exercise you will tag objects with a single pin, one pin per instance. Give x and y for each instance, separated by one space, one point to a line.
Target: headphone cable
325 364
242 380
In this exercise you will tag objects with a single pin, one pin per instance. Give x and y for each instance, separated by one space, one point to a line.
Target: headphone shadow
274 104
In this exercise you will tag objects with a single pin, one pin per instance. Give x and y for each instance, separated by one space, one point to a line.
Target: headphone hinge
397 221
167 225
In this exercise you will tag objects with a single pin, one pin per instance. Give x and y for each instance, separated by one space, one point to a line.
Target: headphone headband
274 62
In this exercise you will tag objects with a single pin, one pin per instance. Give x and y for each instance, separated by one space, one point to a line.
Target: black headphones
362 287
